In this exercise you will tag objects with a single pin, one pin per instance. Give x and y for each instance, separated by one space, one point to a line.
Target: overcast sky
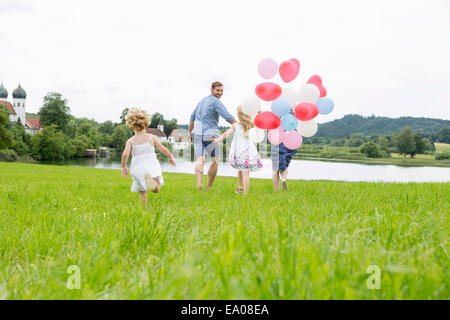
388 58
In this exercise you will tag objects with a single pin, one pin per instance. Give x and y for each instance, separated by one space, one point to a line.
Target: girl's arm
164 150
224 135
125 155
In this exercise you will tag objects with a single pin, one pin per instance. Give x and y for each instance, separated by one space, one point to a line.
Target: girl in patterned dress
244 156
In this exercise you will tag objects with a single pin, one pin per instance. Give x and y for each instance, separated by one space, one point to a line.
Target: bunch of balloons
292 113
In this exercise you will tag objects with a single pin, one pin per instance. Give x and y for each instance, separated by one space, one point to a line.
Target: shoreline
252 177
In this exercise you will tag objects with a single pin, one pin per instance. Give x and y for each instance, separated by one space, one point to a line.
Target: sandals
151 184
239 190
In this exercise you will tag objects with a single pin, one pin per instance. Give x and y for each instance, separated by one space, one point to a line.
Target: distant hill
352 123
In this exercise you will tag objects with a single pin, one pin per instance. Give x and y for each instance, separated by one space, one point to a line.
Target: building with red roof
16 109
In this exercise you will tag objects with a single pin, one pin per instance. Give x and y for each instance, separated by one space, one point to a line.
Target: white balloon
256 135
307 128
308 93
290 95
250 106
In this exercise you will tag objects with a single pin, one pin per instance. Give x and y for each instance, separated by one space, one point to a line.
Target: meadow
313 241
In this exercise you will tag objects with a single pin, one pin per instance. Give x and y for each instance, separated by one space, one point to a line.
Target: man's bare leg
199 171
212 172
283 175
276 179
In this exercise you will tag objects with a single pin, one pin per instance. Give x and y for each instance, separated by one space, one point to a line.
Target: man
203 125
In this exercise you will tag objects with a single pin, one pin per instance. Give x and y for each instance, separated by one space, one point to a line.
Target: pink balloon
315 79
306 111
292 139
289 70
276 136
267 120
323 91
268 91
268 68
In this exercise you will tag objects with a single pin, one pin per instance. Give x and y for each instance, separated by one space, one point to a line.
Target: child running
243 156
145 169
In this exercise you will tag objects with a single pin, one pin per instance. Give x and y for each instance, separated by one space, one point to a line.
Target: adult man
203 125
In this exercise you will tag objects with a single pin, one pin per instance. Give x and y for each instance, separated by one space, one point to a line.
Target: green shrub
8 155
371 150
442 156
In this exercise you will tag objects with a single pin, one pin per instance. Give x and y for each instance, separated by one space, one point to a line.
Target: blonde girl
244 156
145 169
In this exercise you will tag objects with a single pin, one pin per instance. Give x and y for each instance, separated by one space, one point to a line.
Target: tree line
63 135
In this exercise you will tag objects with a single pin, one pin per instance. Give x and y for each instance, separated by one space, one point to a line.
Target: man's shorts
281 156
203 146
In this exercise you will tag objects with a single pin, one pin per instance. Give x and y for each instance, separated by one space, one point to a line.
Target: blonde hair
245 120
137 119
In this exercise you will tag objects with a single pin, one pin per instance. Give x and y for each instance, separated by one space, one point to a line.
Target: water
302 170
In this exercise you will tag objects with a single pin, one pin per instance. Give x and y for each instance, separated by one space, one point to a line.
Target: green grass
314 241
442 147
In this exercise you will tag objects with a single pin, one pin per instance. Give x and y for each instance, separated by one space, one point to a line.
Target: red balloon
289 70
315 79
267 120
268 91
296 62
323 91
306 111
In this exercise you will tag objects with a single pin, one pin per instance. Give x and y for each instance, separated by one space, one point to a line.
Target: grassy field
314 241
442 147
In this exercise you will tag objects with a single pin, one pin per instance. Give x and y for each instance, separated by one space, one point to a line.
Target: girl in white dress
243 156
145 169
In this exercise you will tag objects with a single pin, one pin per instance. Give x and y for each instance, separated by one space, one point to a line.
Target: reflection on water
299 170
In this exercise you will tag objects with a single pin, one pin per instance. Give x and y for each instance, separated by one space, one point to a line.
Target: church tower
161 125
19 97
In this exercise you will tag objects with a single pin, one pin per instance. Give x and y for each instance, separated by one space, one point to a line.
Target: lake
301 170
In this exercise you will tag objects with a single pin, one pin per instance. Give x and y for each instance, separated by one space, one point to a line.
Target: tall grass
314 241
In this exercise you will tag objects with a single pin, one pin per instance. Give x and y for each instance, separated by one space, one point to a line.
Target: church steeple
161 125
3 92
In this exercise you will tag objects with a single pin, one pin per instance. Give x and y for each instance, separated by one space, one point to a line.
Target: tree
155 119
20 137
420 145
54 111
170 125
106 127
406 143
123 115
371 150
48 144
6 138
444 134
119 137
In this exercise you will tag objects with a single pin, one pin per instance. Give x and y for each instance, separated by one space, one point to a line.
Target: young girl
145 169
243 154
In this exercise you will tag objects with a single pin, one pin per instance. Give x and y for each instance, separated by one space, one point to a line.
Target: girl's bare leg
246 179
240 179
158 187
276 179
143 198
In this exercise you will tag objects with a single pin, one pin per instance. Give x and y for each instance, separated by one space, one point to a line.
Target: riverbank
314 241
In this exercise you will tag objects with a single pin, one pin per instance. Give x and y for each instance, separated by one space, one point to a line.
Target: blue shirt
206 116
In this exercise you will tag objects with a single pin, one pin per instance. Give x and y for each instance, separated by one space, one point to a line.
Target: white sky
388 58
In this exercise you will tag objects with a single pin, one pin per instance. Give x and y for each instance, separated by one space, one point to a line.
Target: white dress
144 161
243 153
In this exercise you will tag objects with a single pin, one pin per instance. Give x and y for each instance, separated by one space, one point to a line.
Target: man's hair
216 84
